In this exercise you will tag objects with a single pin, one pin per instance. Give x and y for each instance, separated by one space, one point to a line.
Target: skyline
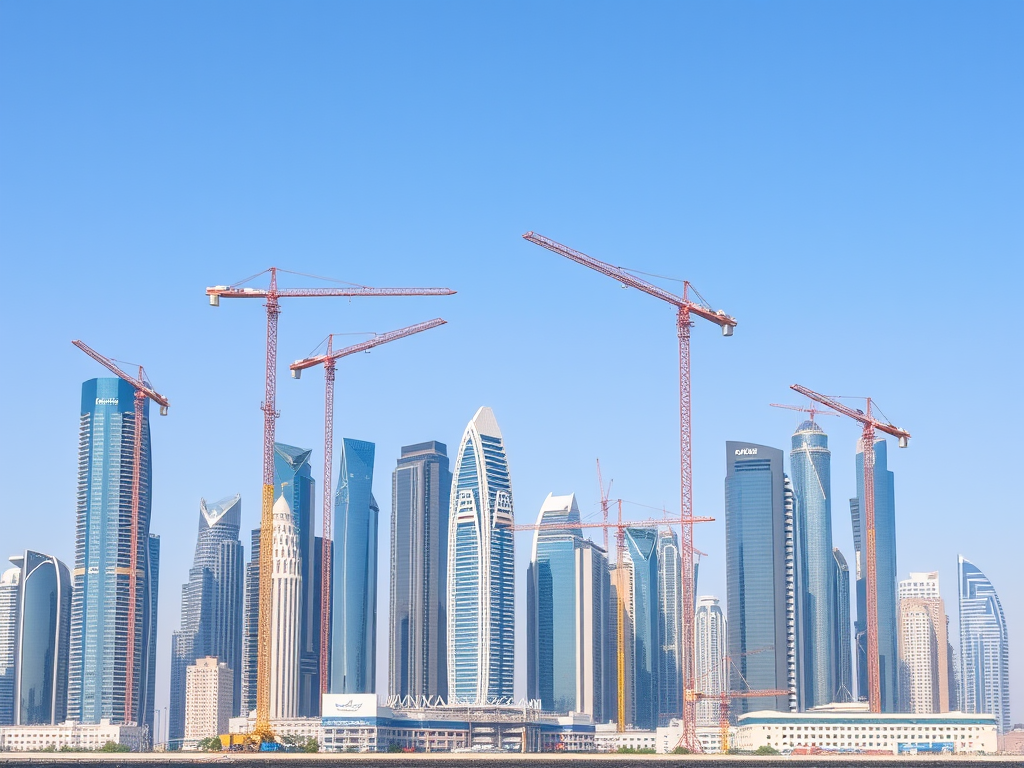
929 176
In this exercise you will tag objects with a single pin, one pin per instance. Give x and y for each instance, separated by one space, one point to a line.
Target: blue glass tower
841 631
984 647
99 613
670 610
481 568
354 651
642 550
886 575
756 560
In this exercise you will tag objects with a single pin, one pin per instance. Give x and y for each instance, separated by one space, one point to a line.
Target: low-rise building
72 735
607 738
710 738
305 727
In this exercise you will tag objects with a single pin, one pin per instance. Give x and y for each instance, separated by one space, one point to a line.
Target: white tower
285 585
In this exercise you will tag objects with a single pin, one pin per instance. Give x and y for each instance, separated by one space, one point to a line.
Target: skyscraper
250 626
481 568
924 673
294 481
421 488
286 607
354 656
710 650
984 647
149 672
885 548
670 627
10 598
99 614
758 549
567 603
642 549
211 606
841 631
621 582
810 464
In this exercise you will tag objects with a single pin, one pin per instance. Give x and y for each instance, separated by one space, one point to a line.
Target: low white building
208 693
608 739
851 729
306 727
710 737
72 735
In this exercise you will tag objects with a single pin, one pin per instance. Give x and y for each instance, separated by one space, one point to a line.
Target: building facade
841 631
354 654
642 550
670 627
984 647
759 555
99 658
10 597
710 651
285 612
211 606
481 568
250 626
209 695
923 645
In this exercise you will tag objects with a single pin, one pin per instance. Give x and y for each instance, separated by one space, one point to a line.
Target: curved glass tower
670 608
984 647
642 549
481 568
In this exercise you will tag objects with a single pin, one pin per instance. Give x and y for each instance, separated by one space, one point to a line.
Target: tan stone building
209 685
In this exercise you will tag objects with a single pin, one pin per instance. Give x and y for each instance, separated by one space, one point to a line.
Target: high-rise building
984 647
841 631
285 610
99 657
710 650
211 606
670 628
923 645
250 626
621 583
149 673
567 603
759 554
209 686
642 550
481 568
354 654
42 640
810 465
294 481
885 559
10 597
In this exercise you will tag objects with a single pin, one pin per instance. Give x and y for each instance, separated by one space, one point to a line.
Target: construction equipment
869 425
142 391
685 307
272 296
328 360
811 410
724 700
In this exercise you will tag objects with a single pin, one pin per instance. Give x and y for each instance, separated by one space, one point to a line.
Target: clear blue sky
847 179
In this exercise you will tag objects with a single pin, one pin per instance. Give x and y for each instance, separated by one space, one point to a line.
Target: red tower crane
328 361
272 296
142 391
811 409
869 425
685 307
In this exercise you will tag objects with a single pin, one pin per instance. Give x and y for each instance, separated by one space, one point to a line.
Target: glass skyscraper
481 568
211 605
99 613
756 560
354 651
984 647
810 466
710 650
421 487
886 577
841 630
250 626
10 595
642 549
670 610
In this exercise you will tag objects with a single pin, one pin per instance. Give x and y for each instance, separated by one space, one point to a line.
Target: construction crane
685 307
724 700
811 409
272 296
328 361
869 425
142 391
604 500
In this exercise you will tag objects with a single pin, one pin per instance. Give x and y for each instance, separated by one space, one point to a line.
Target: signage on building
350 705
746 451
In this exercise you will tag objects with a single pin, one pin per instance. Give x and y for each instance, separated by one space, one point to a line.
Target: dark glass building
250 625
642 549
841 631
354 636
99 657
421 488
211 605
756 574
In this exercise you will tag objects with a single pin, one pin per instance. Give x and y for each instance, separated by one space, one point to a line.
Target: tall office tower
710 650
209 691
789 505
250 626
10 596
149 673
621 583
481 572
285 610
98 668
810 464
924 645
642 546
567 598
211 605
984 647
841 631
294 481
42 640
670 628
756 559
421 488
354 651
885 558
